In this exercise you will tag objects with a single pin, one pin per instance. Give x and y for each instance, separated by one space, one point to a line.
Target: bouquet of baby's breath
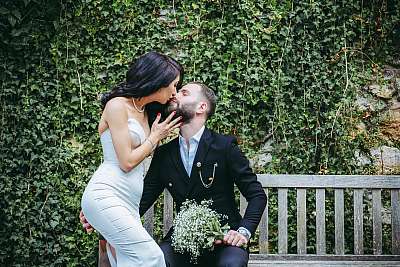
196 227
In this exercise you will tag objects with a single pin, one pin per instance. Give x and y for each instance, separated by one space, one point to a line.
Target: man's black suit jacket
167 171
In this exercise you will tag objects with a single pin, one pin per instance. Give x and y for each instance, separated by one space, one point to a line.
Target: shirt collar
195 137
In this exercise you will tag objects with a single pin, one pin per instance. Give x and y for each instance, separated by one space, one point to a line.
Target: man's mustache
172 100
172 105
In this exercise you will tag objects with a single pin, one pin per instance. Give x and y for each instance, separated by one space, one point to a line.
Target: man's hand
233 238
85 223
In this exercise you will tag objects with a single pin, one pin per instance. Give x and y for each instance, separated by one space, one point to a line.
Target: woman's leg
134 246
111 255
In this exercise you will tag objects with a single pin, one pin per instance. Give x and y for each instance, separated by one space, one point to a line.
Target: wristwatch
244 232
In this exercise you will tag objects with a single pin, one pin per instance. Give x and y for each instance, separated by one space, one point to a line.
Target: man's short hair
209 96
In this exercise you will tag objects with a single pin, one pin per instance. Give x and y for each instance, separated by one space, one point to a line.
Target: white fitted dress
110 203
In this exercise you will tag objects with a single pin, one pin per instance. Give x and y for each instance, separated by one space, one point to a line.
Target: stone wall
379 105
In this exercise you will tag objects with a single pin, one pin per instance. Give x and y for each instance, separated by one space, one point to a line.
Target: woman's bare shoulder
116 106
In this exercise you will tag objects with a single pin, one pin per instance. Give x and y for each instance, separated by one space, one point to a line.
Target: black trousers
221 256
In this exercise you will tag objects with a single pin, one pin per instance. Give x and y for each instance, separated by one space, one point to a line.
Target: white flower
196 227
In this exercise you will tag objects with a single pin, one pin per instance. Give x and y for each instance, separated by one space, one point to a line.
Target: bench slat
320 210
395 198
358 221
263 227
330 257
282 220
168 211
330 181
242 205
376 221
339 221
148 223
301 222
285 263
274 260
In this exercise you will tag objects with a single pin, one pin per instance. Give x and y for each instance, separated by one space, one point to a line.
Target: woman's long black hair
146 75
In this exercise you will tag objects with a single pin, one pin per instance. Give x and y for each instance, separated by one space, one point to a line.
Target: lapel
201 153
176 158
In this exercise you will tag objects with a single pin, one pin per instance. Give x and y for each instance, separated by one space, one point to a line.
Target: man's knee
233 257
169 255
232 262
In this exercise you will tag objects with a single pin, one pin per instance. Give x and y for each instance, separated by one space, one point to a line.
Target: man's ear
202 108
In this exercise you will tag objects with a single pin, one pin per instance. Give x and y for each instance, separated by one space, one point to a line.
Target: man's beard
186 111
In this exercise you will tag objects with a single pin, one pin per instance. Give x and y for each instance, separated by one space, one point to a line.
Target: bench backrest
359 184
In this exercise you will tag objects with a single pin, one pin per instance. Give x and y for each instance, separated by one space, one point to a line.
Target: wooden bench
359 185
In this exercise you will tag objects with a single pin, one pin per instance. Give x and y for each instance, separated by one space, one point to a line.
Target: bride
111 199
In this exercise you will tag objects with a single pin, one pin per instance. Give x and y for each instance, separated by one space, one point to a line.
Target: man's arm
248 185
153 186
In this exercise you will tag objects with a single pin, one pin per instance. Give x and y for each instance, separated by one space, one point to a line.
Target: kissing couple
199 164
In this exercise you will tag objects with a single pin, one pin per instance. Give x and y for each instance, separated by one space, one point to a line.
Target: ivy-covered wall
286 70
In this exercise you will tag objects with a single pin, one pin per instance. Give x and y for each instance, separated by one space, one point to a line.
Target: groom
201 164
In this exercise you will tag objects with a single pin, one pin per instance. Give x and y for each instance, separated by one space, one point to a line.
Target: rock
386 216
361 127
267 147
260 161
394 115
363 103
252 163
373 87
390 73
361 158
365 88
395 105
396 61
384 91
387 74
369 103
264 156
389 128
264 159
165 12
386 158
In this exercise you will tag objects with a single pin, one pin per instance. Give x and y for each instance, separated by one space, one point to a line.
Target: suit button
170 184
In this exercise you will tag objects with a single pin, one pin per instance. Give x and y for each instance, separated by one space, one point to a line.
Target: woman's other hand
86 225
161 130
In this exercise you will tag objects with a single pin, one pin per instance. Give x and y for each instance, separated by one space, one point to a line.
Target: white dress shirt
188 152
